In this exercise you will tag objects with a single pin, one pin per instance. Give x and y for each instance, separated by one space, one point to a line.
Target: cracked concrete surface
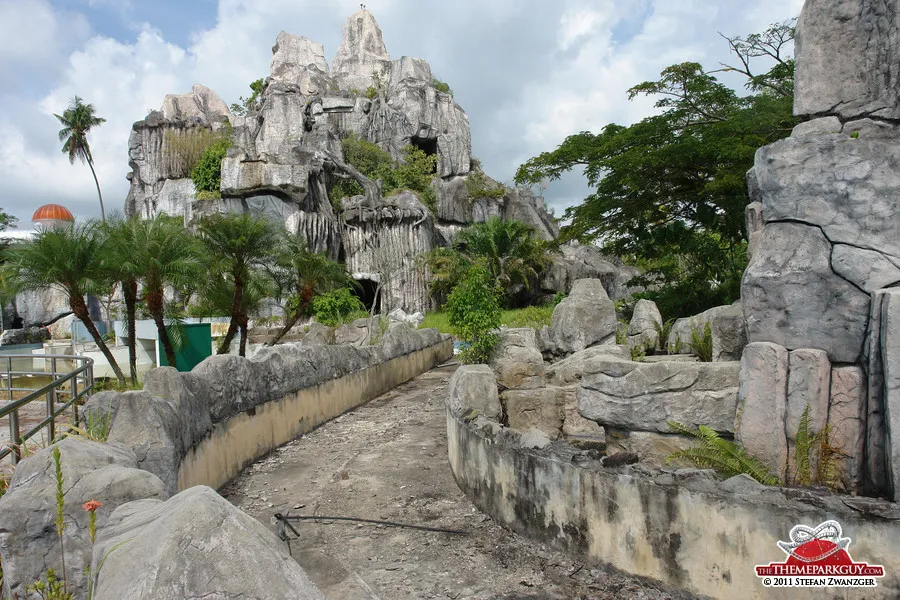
387 460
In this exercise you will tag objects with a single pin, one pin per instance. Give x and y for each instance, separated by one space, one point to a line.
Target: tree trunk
236 310
155 307
295 316
242 351
79 308
373 192
129 291
94 173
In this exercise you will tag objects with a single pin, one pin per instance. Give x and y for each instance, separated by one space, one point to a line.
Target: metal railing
58 396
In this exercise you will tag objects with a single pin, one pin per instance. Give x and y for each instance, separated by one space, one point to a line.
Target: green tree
474 312
670 191
77 122
207 173
238 246
246 105
117 262
69 258
511 251
337 306
300 275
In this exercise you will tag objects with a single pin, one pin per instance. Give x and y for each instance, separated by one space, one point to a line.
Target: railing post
15 443
74 402
51 425
9 377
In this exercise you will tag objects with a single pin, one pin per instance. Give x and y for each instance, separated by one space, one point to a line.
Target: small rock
535 439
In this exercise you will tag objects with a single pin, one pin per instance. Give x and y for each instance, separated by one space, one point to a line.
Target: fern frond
724 456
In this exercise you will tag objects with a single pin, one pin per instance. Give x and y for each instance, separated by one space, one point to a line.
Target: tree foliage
670 191
474 310
337 306
77 121
245 106
207 172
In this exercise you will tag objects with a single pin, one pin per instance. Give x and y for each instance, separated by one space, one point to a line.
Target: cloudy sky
528 72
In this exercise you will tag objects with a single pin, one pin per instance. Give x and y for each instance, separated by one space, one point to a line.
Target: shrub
479 186
724 456
337 307
621 332
474 309
371 92
183 149
207 173
702 343
245 105
441 86
530 316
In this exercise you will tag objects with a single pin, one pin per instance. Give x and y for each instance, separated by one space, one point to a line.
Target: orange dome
52 212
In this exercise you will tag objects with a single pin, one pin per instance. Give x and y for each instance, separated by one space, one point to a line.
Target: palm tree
117 262
77 121
301 274
238 246
66 257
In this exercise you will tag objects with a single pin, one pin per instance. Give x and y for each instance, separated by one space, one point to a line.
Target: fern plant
826 471
702 342
662 331
804 441
724 456
621 332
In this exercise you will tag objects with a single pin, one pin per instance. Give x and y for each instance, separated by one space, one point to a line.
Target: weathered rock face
890 353
34 307
517 361
473 387
587 262
222 553
30 335
642 330
585 318
300 62
541 408
726 324
846 418
848 60
762 409
29 544
646 396
569 370
362 53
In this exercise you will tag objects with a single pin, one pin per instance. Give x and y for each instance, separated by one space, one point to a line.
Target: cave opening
367 291
426 145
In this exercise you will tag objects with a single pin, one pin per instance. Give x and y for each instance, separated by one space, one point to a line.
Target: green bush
479 186
474 309
371 92
207 173
441 86
183 149
337 307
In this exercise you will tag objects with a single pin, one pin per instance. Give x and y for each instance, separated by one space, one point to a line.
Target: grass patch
531 316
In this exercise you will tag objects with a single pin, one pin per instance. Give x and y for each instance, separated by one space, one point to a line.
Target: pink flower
91 505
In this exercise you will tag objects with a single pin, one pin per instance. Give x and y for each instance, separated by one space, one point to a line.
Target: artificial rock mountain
279 166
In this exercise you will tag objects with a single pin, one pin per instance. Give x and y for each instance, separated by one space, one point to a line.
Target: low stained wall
240 440
691 535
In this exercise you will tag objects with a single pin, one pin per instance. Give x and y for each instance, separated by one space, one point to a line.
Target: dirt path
388 460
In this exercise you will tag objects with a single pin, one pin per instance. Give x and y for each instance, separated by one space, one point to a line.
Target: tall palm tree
238 246
301 274
117 262
77 121
65 257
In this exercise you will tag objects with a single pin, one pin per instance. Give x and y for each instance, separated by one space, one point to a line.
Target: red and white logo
818 557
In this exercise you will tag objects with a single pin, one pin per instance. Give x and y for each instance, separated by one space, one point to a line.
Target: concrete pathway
388 461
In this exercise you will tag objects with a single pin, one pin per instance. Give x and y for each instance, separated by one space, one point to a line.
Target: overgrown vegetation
247 105
669 191
478 185
530 316
337 307
812 448
184 149
207 172
473 308
441 86
724 456
414 172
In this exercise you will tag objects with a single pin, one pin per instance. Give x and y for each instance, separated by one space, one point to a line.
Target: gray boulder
317 334
534 439
232 386
362 54
890 356
517 361
865 269
791 296
585 318
473 387
300 62
760 420
652 448
576 261
847 429
646 396
809 384
355 333
541 408
30 335
201 103
195 546
847 59
29 544
818 126
642 330
569 370
726 324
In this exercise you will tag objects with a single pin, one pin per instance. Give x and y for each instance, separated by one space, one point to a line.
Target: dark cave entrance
426 145
367 292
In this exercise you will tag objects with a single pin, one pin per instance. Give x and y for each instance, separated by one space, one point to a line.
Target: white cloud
528 73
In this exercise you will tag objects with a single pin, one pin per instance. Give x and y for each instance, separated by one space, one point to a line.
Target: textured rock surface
299 61
222 553
890 356
762 409
809 384
30 335
517 361
541 408
587 262
754 220
33 307
866 269
92 471
585 318
362 53
473 387
846 421
642 330
569 370
848 60
876 479
726 323
792 297
644 397
576 428
201 103
652 448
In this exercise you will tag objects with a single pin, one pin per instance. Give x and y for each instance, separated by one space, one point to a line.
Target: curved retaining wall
242 439
690 535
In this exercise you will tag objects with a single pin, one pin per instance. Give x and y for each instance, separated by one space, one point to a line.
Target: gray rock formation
890 353
578 261
809 384
517 361
643 329
569 370
221 553
541 408
646 396
848 61
726 324
30 335
847 428
34 307
362 53
473 388
585 318
762 409
29 544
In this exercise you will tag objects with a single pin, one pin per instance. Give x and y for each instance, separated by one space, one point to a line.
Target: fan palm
77 122
68 258
238 246
299 275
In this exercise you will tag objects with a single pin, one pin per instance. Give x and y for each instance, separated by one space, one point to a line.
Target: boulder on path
29 544
195 546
